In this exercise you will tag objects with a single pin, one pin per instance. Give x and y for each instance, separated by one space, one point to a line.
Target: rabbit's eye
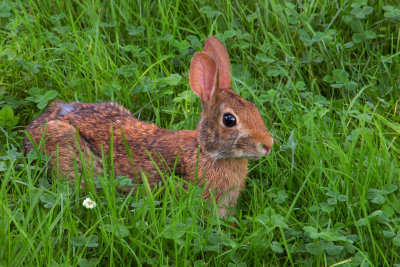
229 120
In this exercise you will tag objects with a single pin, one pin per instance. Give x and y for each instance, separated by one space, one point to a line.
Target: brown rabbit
230 131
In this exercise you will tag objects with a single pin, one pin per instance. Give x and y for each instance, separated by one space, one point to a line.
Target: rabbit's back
93 125
96 121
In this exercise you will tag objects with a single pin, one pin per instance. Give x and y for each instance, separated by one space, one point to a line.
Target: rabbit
230 131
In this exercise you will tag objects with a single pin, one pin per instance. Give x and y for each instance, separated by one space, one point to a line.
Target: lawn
325 75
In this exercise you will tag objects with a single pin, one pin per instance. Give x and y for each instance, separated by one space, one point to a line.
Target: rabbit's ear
203 76
218 52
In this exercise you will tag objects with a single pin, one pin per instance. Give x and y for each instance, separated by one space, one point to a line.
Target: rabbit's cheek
244 148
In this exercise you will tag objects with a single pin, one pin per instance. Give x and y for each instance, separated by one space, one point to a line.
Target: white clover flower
89 204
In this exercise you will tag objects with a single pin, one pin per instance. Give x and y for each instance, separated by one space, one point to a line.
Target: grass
324 75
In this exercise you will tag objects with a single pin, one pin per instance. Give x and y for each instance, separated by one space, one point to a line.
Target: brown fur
222 160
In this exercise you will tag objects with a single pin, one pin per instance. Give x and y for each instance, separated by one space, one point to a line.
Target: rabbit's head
230 127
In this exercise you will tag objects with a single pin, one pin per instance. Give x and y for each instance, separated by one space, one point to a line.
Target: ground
324 75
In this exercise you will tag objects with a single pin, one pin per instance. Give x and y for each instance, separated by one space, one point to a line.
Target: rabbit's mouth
265 150
261 151
233 155
254 155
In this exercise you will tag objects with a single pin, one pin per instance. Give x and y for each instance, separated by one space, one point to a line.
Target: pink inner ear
202 75
219 53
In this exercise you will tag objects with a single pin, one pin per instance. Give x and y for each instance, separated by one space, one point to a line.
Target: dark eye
229 120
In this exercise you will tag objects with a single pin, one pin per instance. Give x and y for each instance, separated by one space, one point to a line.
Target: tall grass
324 75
